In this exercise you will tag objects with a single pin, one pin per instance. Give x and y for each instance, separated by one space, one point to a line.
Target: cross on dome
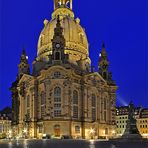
63 3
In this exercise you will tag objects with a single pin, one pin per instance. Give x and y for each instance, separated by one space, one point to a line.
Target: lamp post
113 133
10 134
25 132
92 133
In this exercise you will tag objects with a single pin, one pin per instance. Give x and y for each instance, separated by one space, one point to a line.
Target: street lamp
25 132
10 134
92 132
113 133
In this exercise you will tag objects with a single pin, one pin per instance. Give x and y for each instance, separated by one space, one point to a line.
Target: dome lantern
76 43
62 8
62 3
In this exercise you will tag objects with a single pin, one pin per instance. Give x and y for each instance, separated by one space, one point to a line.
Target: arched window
57 55
75 104
57 94
105 104
105 107
93 100
42 103
28 101
28 106
75 97
57 102
93 103
42 98
101 108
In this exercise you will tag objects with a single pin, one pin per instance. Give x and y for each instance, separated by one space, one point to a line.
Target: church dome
75 36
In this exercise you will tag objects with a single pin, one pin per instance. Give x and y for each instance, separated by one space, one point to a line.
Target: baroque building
142 123
5 126
63 95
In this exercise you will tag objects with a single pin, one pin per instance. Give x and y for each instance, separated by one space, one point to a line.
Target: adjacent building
142 123
5 126
141 115
63 95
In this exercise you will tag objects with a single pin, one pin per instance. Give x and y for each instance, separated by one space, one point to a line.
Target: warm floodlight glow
113 132
10 131
25 130
92 131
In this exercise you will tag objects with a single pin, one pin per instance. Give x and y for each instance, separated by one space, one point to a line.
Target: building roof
144 113
4 117
123 110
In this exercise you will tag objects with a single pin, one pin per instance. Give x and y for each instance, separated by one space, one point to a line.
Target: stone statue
131 111
131 130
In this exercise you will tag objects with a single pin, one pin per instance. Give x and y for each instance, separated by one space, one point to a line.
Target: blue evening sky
121 24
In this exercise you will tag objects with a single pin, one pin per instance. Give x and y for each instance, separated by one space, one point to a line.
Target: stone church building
63 95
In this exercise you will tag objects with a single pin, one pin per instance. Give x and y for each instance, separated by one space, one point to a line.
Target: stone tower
23 67
103 66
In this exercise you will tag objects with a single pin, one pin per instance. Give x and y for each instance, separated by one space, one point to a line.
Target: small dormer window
57 74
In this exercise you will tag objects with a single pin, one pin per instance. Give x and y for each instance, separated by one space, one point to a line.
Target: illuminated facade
5 126
63 96
142 123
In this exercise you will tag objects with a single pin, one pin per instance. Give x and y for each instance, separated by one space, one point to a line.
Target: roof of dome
74 34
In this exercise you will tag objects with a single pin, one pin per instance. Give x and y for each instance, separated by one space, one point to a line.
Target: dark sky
121 24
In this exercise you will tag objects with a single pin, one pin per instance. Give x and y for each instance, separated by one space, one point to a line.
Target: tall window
40 128
75 97
42 104
57 102
105 116
28 101
106 131
93 100
75 104
28 105
1 128
105 107
104 104
93 104
42 98
101 103
75 111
